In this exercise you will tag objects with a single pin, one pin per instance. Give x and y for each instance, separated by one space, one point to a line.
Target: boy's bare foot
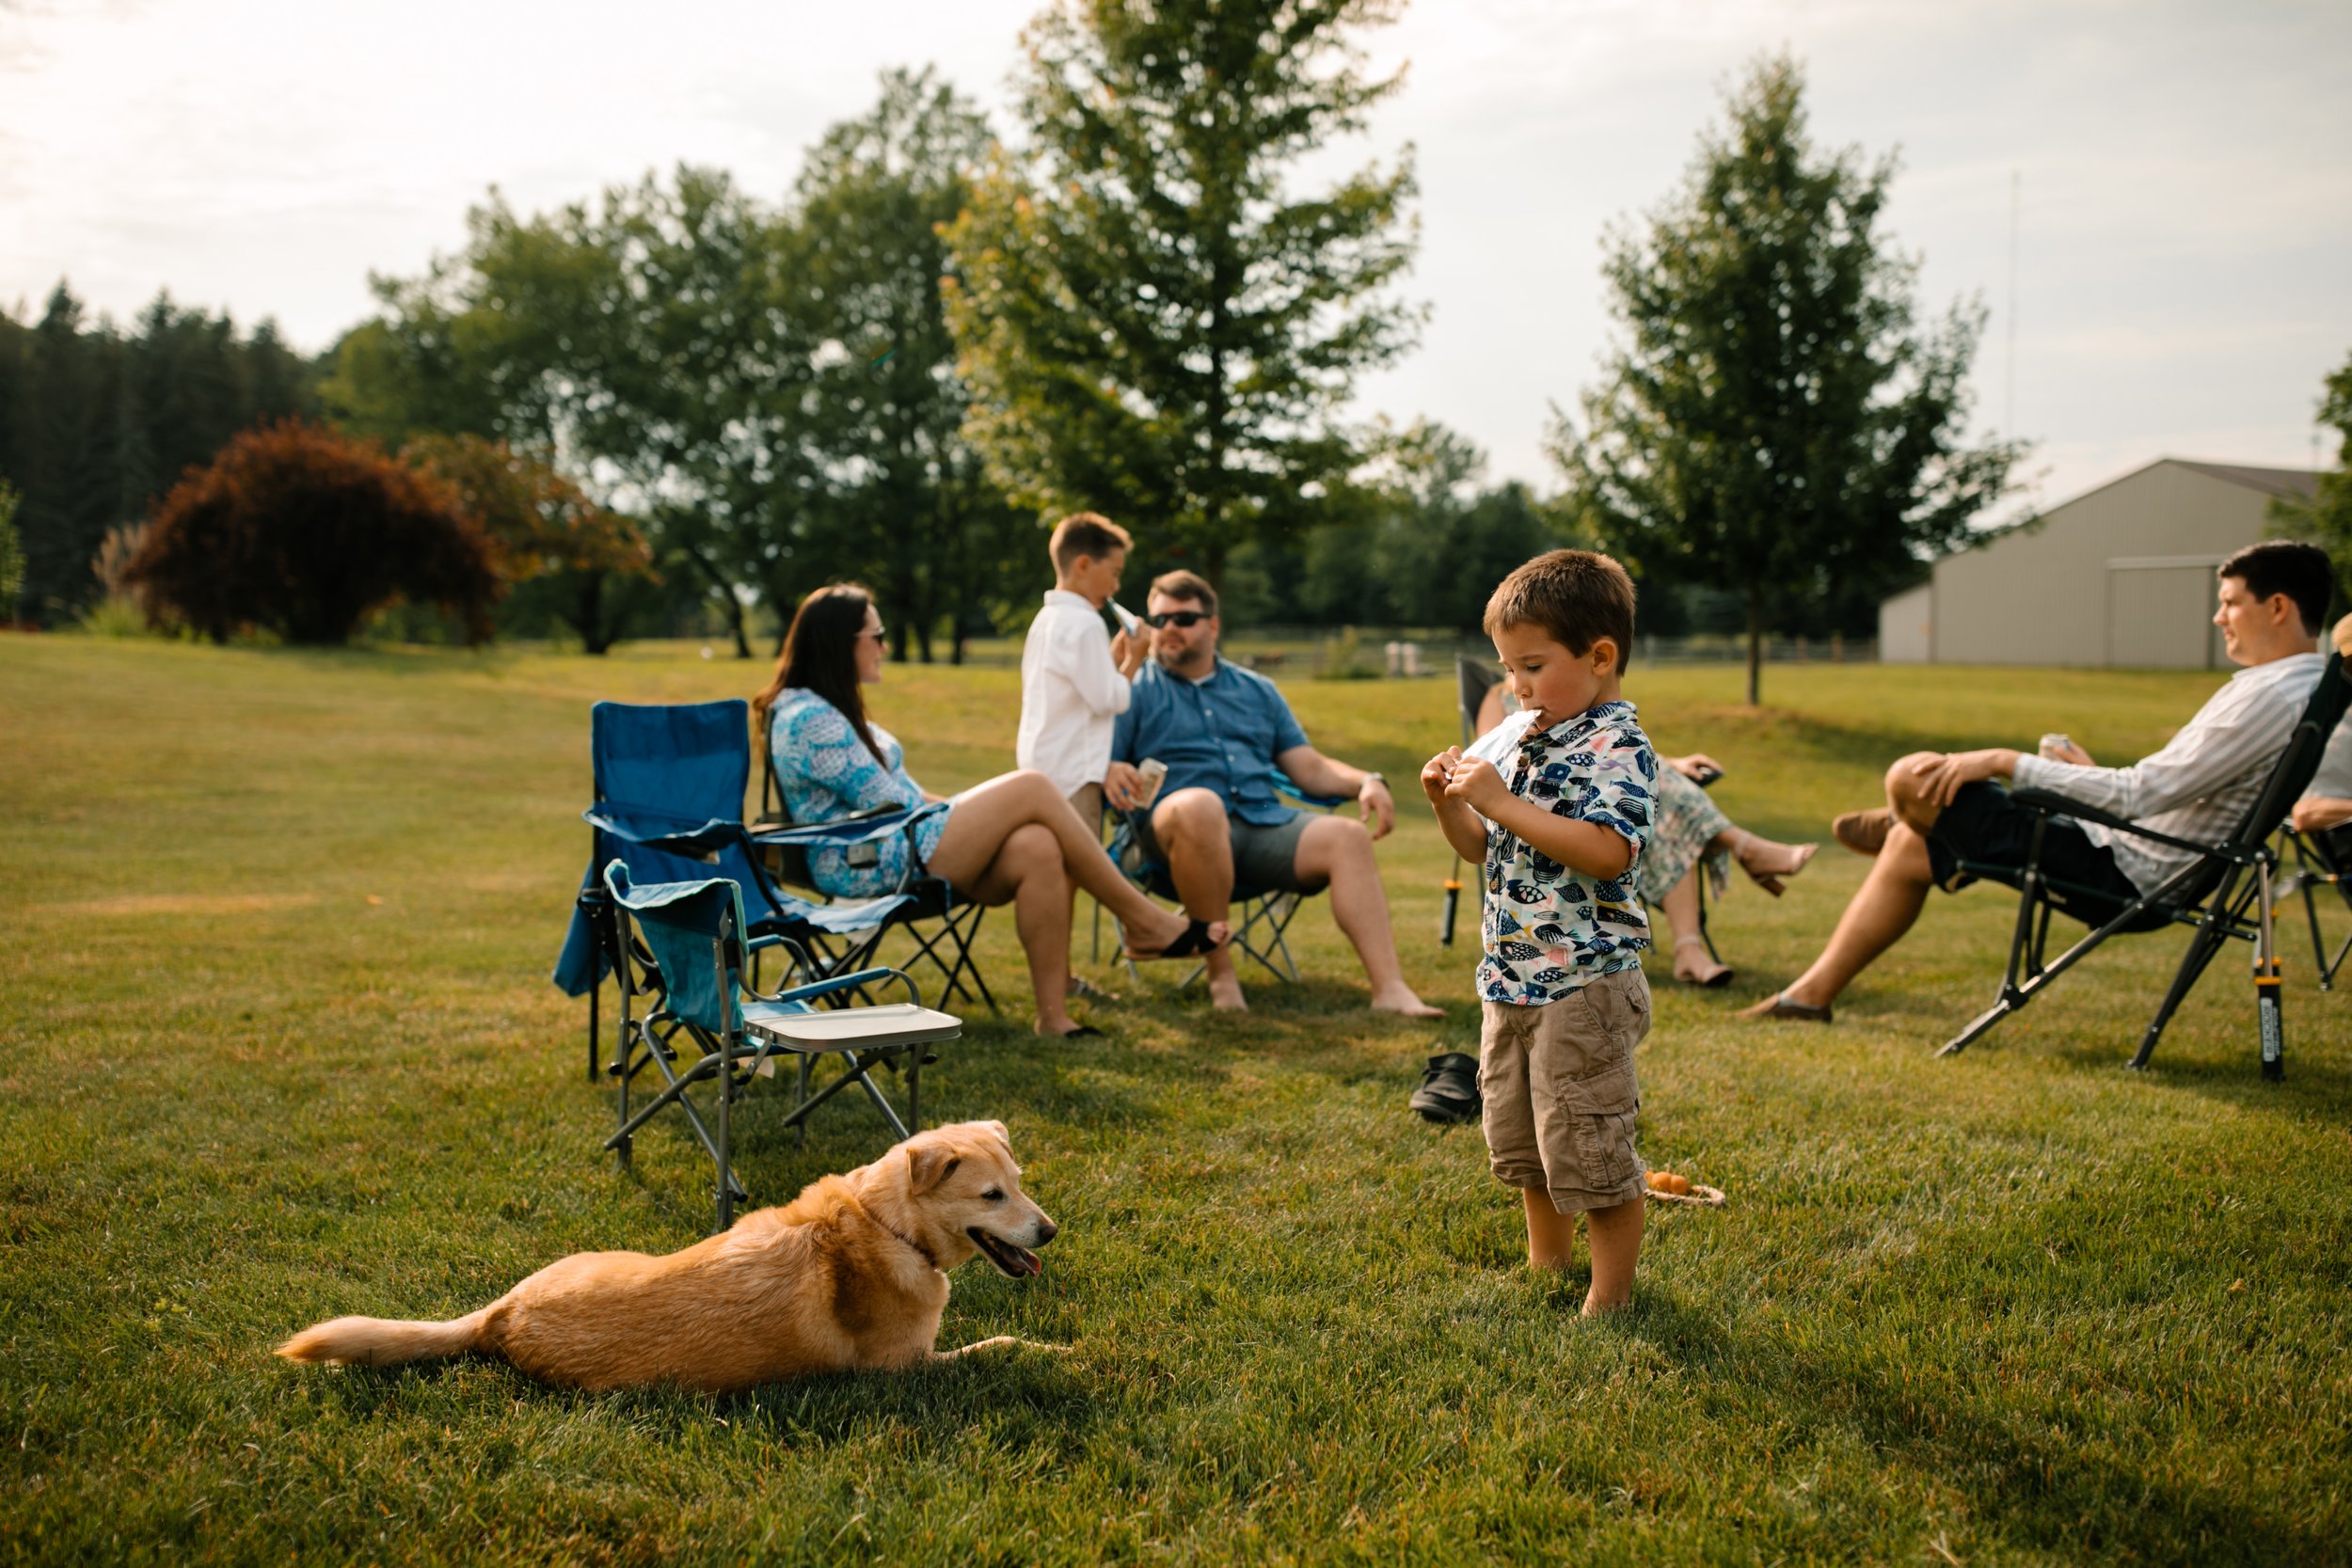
1404 1003
1596 1308
1225 994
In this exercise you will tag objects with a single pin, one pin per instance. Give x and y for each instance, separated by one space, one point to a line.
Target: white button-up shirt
1071 693
2204 781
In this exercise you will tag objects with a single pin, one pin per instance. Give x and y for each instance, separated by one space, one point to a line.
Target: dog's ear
1002 1136
929 1163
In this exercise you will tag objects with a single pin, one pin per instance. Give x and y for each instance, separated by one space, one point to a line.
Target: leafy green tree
910 509
2324 517
1154 326
548 540
647 342
1774 423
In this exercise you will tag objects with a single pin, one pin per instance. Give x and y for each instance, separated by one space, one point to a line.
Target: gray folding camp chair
701 1028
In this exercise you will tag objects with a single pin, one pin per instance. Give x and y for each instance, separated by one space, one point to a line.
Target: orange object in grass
1667 1182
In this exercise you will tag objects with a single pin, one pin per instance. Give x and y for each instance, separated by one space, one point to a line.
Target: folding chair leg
1706 937
726 1171
2269 1013
2201 947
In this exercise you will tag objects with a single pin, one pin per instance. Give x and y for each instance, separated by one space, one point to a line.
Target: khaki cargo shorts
1559 1091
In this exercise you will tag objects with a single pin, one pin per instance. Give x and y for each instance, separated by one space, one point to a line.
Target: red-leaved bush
301 530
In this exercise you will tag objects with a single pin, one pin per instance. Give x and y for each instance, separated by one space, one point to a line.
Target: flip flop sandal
1083 1032
1193 944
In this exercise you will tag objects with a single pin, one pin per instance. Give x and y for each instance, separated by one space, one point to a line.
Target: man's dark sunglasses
1177 618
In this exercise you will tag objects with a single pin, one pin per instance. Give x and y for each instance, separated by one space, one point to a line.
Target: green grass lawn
279 1045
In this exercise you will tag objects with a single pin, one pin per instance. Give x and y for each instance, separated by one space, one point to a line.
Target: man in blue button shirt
1224 731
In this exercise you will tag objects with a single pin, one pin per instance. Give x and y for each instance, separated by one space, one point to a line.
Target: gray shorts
1265 860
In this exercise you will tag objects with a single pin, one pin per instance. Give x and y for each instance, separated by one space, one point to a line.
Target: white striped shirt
2204 781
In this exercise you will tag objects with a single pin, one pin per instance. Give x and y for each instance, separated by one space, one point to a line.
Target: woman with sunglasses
1012 840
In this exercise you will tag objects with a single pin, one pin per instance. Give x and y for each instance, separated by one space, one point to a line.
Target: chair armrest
657 832
2051 804
841 831
842 982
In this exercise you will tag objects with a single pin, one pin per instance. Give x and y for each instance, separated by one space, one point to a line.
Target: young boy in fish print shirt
1556 801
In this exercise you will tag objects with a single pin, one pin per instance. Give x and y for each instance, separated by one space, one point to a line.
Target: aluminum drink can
2053 744
1148 772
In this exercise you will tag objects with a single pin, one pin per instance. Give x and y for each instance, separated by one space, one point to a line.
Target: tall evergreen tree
1155 326
1772 423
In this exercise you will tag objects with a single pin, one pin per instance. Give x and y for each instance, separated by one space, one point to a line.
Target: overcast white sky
2185 275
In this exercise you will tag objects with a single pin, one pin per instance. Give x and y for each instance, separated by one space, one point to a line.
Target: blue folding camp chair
696 936
669 803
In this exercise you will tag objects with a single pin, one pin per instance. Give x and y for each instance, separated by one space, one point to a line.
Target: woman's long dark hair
821 656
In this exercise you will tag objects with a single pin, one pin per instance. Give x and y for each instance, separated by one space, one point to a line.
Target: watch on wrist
1380 778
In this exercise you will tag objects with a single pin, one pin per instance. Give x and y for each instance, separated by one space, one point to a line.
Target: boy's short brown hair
1576 596
1185 585
1086 534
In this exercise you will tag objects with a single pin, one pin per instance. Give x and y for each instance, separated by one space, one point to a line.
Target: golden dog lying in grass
848 1275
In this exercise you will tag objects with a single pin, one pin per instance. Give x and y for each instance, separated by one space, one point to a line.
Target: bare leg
1338 850
1027 872
986 816
1681 909
1614 1234
1193 831
1888 902
1551 1234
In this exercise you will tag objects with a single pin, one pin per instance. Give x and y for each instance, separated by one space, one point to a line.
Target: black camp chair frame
2322 859
731 1061
931 902
1263 933
2226 894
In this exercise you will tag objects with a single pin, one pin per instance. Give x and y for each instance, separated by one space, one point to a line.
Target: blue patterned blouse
826 773
1548 930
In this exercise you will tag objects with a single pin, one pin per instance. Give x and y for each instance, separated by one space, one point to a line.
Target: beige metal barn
2121 575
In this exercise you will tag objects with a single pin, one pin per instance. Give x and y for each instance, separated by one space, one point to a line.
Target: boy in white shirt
1074 673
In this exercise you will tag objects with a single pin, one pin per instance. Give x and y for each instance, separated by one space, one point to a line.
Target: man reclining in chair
1223 732
1942 808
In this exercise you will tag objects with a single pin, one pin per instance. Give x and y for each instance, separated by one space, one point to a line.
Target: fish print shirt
1550 930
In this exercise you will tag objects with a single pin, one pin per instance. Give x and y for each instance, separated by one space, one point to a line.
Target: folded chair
1473 680
1263 931
2322 859
669 801
942 925
2227 893
698 1027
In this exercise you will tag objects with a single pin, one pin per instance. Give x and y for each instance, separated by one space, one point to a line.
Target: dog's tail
384 1341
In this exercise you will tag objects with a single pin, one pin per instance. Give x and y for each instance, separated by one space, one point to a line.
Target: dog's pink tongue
1030 1262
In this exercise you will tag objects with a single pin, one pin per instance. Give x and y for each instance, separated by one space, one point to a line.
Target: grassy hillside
278 1044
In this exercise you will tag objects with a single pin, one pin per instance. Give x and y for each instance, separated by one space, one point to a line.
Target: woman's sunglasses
1177 618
